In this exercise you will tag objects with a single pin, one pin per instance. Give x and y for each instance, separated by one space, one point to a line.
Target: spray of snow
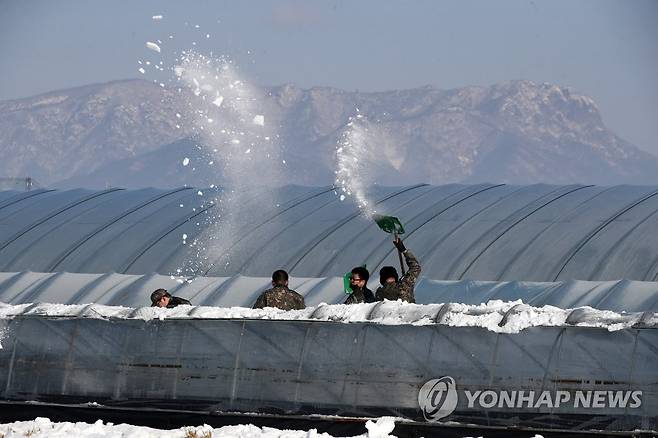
44 427
227 115
354 155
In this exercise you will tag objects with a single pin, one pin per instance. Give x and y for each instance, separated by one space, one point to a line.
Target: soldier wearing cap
162 298
394 288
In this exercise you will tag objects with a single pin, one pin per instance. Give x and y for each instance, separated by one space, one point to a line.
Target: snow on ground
42 427
495 315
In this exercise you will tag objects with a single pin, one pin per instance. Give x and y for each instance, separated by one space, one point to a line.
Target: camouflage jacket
280 297
404 288
364 295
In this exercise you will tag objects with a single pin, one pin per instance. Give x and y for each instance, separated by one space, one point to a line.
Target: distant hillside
124 134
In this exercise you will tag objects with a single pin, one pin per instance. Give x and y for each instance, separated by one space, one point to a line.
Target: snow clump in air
152 46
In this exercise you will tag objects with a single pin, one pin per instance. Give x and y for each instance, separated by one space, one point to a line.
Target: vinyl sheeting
359 369
135 290
459 232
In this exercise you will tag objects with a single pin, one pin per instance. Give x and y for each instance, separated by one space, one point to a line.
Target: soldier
394 289
279 295
360 292
162 298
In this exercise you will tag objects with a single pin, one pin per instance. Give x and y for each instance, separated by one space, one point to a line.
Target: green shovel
390 225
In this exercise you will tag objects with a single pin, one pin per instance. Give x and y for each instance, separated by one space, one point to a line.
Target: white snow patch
153 46
259 120
3 334
44 427
381 428
495 315
186 161
141 70
156 17
218 101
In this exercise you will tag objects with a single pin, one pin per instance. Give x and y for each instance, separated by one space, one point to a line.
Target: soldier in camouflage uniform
162 298
394 289
360 292
279 295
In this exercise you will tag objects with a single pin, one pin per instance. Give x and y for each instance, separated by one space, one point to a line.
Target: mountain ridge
512 132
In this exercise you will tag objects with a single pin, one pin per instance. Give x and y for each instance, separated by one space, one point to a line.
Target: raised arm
408 281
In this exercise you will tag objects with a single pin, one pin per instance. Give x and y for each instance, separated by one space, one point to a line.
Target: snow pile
495 315
381 428
42 427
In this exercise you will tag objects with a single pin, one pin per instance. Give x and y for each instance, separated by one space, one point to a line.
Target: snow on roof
135 290
497 316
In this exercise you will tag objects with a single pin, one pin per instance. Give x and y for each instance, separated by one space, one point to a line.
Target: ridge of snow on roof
135 290
497 316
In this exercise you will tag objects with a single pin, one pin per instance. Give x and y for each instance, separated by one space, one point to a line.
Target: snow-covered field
495 315
43 427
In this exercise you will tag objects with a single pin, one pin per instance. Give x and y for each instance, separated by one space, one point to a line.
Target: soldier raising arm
393 288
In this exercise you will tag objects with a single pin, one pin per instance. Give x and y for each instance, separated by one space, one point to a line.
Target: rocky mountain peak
516 131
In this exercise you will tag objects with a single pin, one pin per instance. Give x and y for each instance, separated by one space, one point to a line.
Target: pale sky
606 49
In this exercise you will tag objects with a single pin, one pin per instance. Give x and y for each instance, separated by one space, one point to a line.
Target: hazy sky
607 49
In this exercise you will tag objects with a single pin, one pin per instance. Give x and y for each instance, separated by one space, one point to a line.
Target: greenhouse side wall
356 369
